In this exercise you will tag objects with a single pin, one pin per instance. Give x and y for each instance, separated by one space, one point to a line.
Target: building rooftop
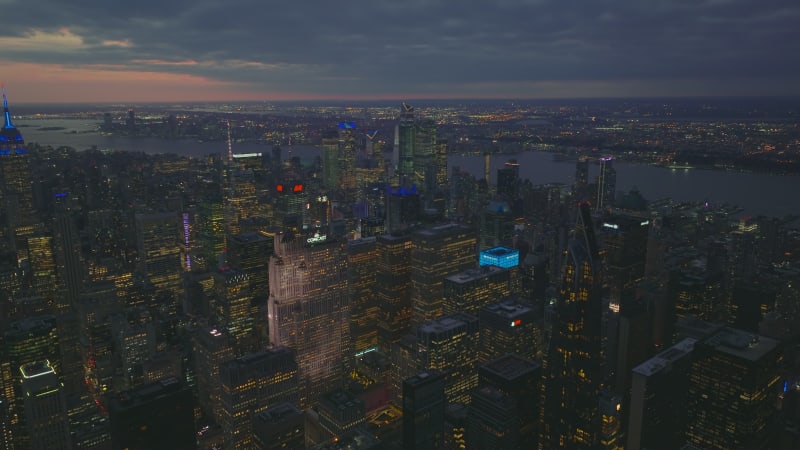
509 308
741 344
510 367
278 413
666 358
448 323
474 274
423 377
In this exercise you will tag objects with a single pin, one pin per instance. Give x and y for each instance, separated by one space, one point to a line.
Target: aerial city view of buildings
347 286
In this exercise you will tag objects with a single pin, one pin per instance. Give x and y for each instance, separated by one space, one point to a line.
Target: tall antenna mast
230 143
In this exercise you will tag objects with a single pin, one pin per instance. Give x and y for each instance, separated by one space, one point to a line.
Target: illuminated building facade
508 326
309 309
232 308
211 347
574 369
499 256
340 411
423 411
393 288
733 388
25 342
157 415
158 244
279 427
472 289
436 253
362 256
45 407
448 345
251 384
290 208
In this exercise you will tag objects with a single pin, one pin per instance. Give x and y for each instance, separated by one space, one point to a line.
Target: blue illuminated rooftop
500 256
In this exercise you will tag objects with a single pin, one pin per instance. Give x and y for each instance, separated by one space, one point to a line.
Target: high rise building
212 347
362 256
25 342
393 288
16 193
340 412
574 367
309 309
160 250
437 252
251 384
448 344
154 416
508 179
657 418
733 389
606 184
509 326
290 208
405 138
472 289
493 420
521 380
45 407
249 253
279 427
581 185
423 411
403 209
232 308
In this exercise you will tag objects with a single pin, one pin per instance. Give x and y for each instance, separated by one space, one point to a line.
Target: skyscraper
159 250
45 407
436 253
606 184
393 288
251 384
405 138
508 326
423 411
494 420
657 418
733 387
362 255
574 368
472 289
16 193
448 345
309 309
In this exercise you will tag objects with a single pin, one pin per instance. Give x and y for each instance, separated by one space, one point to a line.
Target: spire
8 123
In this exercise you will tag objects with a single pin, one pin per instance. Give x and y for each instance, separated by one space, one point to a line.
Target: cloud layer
423 48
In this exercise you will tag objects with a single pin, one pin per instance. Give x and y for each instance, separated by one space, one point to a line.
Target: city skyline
239 51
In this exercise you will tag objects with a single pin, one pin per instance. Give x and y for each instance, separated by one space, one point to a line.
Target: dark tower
574 366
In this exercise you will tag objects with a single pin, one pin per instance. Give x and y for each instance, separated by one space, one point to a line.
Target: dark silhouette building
423 411
154 416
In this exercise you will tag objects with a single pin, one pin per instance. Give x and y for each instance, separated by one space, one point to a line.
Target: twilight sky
181 50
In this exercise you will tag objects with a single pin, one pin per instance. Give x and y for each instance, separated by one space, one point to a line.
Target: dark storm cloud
374 47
